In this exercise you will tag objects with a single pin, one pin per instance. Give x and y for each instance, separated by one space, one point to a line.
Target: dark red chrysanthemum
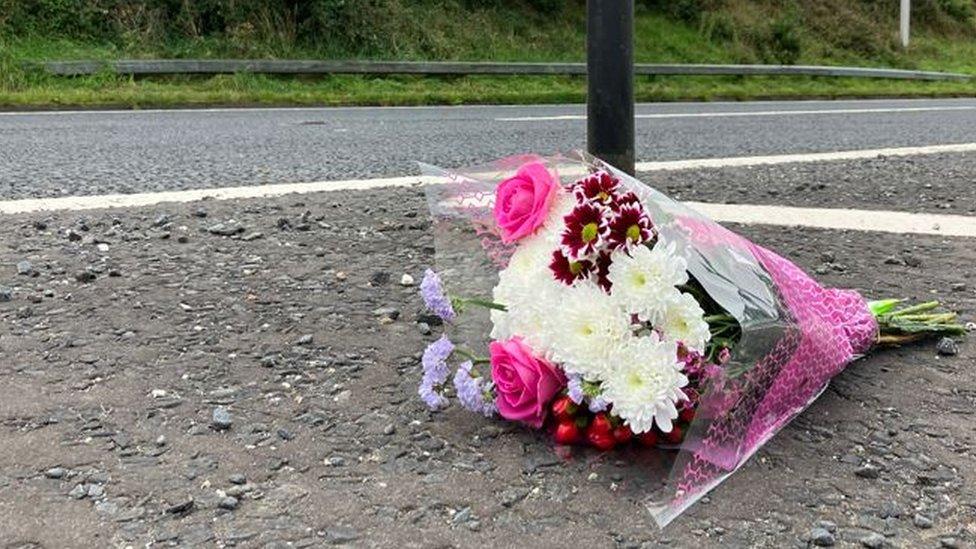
567 270
600 188
586 228
625 199
629 226
603 262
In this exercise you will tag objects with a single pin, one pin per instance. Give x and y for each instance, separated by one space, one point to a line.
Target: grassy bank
687 31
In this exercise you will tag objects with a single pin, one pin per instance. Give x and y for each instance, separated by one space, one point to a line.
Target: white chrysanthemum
531 257
645 384
644 281
585 325
684 320
529 306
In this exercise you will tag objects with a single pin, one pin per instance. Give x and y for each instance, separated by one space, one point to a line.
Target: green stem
480 303
475 359
715 319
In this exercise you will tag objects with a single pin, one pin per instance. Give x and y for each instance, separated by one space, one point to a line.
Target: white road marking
727 114
827 218
740 161
840 218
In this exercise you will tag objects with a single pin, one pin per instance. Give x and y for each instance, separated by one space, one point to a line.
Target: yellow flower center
589 232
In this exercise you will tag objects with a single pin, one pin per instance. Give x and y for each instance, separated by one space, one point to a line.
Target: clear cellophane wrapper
796 335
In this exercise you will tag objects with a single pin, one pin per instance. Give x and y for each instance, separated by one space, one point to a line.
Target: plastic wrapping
796 335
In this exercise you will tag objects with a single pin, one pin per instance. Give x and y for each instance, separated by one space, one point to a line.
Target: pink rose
524 384
522 201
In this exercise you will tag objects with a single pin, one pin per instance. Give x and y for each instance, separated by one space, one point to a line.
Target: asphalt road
56 154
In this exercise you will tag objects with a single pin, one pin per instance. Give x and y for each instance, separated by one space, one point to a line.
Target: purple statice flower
598 404
574 389
432 290
474 392
435 373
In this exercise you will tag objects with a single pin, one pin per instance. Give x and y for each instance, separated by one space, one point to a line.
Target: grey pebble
868 470
25 268
221 419
922 521
821 537
229 503
78 492
237 478
6 294
55 472
947 347
873 540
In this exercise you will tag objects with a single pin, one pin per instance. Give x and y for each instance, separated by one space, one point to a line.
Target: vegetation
859 32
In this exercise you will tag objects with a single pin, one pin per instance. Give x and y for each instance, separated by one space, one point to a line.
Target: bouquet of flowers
594 307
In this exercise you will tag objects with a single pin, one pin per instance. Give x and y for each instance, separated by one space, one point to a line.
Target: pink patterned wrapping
796 335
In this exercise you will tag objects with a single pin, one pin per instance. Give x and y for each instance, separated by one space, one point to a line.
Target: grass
242 89
660 39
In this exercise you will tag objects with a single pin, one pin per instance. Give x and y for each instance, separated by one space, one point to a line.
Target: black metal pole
610 81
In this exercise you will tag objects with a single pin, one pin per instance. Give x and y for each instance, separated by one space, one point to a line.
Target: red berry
567 433
622 434
675 436
648 439
563 409
601 424
603 441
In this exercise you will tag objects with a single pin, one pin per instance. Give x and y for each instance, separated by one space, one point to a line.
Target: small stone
228 503
958 287
379 278
892 260
200 213
389 429
182 506
947 347
341 535
85 276
922 521
406 280
387 312
74 236
252 236
335 461
237 478
55 472
873 540
285 434
225 229
95 491
868 470
102 247
161 440
911 260
949 543
78 492
424 328
6 294
161 221
821 537
158 393
304 340
221 419
25 268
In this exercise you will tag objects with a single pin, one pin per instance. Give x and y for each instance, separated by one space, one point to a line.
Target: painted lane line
837 156
94 202
729 114
821 218
840 218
